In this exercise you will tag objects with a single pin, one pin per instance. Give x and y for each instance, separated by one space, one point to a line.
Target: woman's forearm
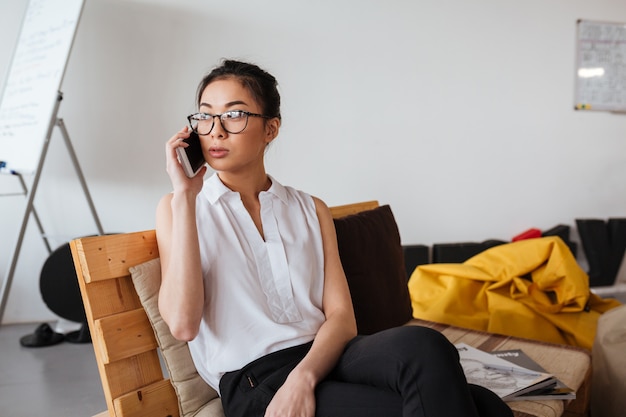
327 347
181 297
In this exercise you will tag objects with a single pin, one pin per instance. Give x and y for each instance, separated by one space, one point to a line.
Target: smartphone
191 157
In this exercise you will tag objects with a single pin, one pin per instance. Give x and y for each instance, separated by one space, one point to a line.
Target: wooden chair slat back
132 374
124 343
125 334
155 400
111 296
110 256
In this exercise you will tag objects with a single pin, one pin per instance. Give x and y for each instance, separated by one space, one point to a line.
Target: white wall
458 114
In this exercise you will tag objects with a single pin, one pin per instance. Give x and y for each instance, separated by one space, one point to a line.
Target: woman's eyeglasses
234 121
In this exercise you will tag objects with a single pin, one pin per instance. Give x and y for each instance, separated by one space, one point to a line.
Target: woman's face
228 152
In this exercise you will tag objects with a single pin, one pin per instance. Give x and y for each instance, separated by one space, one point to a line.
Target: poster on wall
600 66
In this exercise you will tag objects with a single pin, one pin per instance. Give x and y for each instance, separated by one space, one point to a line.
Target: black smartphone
191 157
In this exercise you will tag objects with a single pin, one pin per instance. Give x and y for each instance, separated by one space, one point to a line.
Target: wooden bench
127 352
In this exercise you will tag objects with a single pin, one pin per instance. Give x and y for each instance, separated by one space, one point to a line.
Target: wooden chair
123 340
127 352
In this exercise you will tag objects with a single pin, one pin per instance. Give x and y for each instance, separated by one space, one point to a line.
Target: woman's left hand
296 398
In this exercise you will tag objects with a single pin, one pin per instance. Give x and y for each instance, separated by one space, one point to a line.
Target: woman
251 277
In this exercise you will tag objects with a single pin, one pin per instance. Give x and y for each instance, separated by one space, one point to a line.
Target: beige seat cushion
195 397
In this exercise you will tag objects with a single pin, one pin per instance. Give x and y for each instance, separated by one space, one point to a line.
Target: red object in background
528 234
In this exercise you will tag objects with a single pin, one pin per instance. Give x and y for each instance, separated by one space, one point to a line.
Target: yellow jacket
531 288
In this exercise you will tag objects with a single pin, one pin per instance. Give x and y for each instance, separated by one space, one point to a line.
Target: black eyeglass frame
213 116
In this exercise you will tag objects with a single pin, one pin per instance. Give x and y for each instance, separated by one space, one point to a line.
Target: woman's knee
419 341
406 348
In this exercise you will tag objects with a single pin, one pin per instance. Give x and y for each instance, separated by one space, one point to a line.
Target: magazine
504 378
559 391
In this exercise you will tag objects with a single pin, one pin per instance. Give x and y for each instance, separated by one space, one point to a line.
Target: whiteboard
601 66
34 79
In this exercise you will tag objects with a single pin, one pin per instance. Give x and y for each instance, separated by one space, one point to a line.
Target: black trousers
405 372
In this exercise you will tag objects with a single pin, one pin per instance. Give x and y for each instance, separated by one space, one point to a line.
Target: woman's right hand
180 181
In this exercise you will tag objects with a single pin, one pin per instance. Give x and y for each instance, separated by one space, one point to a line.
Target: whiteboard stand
30 208
35 215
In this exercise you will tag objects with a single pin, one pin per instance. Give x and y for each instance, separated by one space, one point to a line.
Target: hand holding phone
191 157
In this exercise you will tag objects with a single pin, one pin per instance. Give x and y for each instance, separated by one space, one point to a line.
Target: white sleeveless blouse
261 295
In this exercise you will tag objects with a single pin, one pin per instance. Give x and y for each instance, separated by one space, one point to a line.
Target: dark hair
261 84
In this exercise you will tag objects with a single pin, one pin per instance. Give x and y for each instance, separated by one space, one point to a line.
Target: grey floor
53 381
